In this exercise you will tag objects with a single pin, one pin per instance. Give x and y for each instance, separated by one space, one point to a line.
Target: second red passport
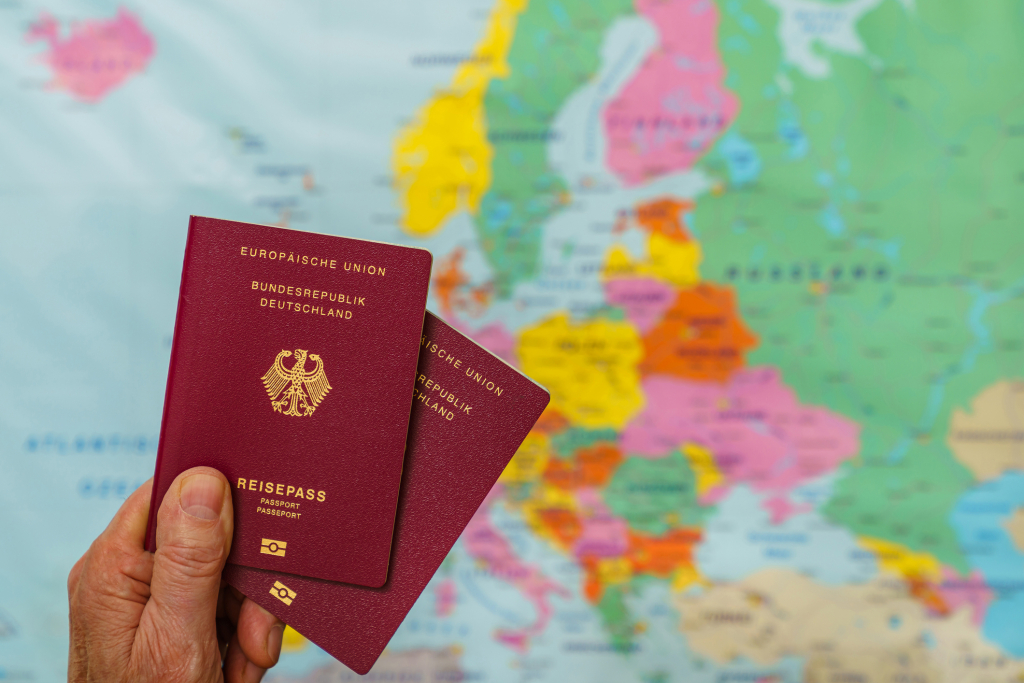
471 413
292 369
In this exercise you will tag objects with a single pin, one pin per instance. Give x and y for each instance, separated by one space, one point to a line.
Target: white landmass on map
804 24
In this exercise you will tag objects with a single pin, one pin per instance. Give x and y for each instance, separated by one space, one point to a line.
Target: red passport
470 414
292 369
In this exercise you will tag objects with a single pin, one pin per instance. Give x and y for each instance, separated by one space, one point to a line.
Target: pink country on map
496 339
492 551
675 106
445 597
603 534
957 592
96 56
753 426
644 300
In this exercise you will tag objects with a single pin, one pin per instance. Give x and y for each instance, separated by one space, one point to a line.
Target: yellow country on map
442 159
669 260
704 466
590 368
897 559
528 464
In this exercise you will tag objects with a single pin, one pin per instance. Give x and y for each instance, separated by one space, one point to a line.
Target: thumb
193 538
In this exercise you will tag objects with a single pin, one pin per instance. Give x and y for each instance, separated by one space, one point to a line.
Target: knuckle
109 569
192 559
173 655
74 576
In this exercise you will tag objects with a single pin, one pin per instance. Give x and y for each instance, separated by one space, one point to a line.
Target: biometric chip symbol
282 593
271 547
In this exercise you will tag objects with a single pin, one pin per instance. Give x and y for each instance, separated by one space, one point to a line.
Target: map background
238 104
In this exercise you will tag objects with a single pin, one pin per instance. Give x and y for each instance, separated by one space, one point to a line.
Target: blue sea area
979 519
740 539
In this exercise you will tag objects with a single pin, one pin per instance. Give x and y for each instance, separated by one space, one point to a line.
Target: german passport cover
292 370
470 413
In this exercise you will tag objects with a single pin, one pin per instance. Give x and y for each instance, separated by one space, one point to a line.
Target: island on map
96 56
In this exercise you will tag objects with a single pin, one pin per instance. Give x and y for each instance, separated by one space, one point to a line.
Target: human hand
167 616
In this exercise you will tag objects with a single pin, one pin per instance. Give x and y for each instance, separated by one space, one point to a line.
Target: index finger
128 527
108 588
119 549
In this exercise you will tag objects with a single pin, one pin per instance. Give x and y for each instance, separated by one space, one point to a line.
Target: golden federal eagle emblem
294 391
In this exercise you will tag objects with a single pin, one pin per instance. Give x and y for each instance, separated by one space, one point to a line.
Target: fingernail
202 496
274 641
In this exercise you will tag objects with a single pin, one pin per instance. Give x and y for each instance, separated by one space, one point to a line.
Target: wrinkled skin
167 616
